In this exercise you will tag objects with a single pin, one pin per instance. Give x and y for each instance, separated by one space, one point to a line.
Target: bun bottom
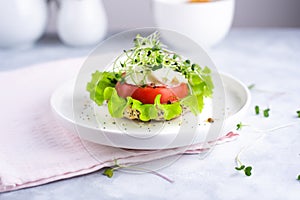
134 114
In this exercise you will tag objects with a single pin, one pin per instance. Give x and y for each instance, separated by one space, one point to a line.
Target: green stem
143 170
265 131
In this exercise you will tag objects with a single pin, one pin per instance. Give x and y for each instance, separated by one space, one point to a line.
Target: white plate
93 123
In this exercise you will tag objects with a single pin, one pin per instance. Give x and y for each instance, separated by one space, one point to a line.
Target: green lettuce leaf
100 81
147 111
116 104
170 110
108 93
201 86
191 102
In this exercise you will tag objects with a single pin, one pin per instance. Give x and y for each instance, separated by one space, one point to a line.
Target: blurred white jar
207 23
81 22
22 22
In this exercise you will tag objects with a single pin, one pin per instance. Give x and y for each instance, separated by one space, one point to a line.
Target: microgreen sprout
250 87
266 112
240 166
256 110
298 113
246 169
149 54
109 172
239 126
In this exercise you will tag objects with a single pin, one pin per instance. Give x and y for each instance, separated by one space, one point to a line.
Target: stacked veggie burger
150 82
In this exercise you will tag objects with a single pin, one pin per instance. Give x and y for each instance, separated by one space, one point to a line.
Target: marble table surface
268 58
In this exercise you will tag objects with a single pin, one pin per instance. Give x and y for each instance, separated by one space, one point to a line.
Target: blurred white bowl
22 22
205 23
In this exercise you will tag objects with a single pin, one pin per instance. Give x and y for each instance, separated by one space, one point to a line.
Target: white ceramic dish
206 23
94 123
22 22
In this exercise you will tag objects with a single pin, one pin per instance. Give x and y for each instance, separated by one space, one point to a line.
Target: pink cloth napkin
34 148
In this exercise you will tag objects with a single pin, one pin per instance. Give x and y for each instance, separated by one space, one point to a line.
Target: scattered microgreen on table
256 108
266 112
298 113
250 87
239 126
241 167
247 170
109 172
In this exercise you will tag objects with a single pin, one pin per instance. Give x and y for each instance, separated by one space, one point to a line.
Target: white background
126 14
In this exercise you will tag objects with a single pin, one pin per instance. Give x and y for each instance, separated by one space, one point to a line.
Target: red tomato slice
147 94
